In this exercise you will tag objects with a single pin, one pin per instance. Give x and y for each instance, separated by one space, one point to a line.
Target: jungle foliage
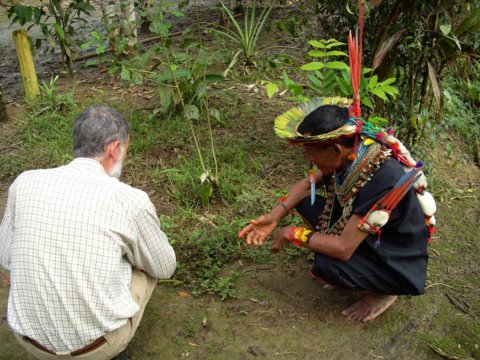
416 42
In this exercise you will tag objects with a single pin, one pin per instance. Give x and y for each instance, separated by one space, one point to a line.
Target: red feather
355 57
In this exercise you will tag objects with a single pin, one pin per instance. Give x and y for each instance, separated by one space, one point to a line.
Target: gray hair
95 128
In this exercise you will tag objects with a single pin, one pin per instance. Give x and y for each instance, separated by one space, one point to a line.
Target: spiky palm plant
245 37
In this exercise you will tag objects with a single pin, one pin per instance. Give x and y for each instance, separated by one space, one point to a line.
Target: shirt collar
88 163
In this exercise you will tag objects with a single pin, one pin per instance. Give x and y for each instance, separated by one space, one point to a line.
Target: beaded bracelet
299 236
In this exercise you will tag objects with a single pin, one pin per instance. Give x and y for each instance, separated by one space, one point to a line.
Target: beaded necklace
357 175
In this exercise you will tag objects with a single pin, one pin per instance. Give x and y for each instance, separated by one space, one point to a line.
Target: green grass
462 101
44 139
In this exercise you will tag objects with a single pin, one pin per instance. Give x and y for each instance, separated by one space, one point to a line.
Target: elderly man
84 250
370 232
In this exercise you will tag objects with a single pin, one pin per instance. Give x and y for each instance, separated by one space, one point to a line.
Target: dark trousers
365 270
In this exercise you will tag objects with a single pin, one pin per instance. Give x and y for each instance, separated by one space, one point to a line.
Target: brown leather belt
90 347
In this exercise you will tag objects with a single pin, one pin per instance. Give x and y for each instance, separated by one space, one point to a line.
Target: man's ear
338 149
113 150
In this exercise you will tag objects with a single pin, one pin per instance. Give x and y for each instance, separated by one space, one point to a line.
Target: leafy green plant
181 78
324 78
461 107
329 76
52 100
246 37
221 286
101 43
418 42
61 30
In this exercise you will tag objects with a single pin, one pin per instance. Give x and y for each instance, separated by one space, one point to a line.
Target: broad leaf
380 93
59 31
165 96
390 90
320 53
191 112
125 74
317 44
271 89
337 65
214 113
166 76
446 29
313 66
378 121
389 81
367 102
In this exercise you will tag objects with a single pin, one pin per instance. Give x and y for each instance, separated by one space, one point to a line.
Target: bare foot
371 306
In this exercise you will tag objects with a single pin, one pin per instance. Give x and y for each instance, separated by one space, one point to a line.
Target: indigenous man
84 250
369 234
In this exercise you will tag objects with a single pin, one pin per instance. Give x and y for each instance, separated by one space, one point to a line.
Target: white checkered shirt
70 237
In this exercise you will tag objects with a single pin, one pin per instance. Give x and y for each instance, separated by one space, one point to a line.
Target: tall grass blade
231 18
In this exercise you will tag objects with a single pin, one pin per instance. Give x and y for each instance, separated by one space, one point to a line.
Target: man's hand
281 238
259 229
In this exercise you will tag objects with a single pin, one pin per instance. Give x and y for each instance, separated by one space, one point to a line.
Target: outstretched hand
259 229
280 239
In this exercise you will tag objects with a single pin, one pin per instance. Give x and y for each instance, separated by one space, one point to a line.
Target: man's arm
6 230
259 229
339 247
153 253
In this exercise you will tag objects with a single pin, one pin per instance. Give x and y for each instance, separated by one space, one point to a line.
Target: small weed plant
52 100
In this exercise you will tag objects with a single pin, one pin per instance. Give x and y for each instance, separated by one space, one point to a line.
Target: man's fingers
258 220
244 232
250 238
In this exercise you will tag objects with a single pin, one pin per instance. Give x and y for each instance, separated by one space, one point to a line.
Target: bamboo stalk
27 68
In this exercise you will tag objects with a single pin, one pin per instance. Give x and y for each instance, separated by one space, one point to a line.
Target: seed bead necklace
357 175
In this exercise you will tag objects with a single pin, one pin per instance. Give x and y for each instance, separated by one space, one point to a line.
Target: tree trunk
120 22
3 110
27 68
111 23
128 24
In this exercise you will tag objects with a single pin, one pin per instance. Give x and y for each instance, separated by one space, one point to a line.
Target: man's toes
375 311
358 315
354 308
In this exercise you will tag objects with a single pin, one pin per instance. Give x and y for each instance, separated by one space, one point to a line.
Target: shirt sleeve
6 230
152 253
